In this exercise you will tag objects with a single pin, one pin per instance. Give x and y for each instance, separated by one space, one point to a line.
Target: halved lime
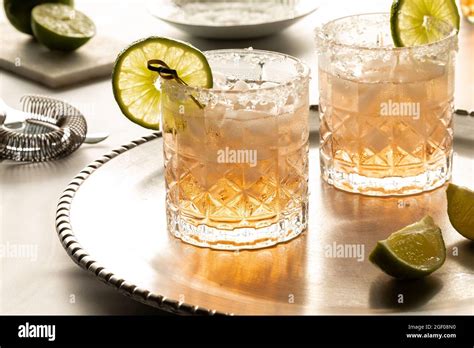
412 252
419 22
134 85
61 27
461 209
19 12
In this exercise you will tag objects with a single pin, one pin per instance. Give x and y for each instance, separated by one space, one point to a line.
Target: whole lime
19 12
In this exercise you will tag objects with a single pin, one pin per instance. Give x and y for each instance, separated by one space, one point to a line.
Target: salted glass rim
303 73
319 31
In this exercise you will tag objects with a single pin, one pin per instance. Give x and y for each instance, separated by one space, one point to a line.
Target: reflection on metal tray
111 220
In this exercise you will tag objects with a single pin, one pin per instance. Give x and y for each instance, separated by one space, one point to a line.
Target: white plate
232 19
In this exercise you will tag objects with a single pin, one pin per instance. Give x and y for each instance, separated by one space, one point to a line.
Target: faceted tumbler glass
386 112
236 156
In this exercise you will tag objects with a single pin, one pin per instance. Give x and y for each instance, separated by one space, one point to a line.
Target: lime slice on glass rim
461 210
412 252
420 22
61 27
134 85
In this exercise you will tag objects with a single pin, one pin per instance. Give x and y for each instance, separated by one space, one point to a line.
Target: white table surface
51 283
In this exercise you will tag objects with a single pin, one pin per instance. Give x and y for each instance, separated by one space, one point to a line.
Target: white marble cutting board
22 55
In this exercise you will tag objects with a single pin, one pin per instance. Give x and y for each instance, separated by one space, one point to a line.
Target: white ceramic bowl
232 19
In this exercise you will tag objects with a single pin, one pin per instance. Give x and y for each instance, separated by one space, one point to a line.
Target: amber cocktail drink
386 112
236 156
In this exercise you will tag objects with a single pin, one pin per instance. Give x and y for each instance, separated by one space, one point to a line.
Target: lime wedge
420 22
413 252
461 209
134 86
61 27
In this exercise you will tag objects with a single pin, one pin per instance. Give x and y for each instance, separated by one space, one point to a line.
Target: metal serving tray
111 221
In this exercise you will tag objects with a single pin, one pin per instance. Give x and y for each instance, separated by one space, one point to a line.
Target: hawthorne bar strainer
46 129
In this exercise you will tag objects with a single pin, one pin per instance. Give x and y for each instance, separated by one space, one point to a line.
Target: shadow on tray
395 294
